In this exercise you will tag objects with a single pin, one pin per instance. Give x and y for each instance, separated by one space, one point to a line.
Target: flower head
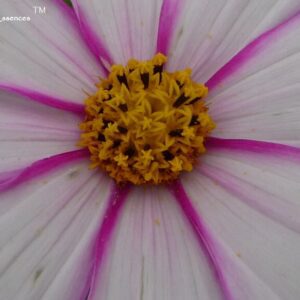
142 108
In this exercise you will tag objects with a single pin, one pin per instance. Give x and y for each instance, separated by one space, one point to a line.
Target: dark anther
147 147
145 79
175 132
116 143
130 152
109 87
180 100
195 100
101 110
179 84
194 121
168 155
122 129
158 69
106 122
123 79
101 137
123 107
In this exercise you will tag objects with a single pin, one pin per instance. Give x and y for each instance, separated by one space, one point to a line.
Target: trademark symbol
39 10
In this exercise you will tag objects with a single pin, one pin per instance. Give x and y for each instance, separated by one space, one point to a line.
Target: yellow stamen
121 160
146 125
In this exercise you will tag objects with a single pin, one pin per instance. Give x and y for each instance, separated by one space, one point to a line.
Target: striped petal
126 28
248 199
29 131
48 229
45 56
13 178
256 95
154 254
209 33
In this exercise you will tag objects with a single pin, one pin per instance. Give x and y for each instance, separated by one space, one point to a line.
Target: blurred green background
68 2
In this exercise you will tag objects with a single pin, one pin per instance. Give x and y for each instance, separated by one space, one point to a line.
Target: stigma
145 125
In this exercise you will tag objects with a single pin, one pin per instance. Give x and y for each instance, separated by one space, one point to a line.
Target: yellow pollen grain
145 125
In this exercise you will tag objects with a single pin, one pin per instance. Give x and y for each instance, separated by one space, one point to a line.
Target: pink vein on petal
67 11
70 14
204 237
116 201
92 40
259 147
62 104
235 186
13 178
249 51
168 15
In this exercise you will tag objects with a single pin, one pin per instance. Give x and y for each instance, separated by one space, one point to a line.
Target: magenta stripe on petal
259 147
67 11
13 178
168 15
70 14
235 186
117 199
203 235
62 104
248 52
92 40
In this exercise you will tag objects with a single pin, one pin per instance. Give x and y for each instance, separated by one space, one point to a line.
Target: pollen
146 125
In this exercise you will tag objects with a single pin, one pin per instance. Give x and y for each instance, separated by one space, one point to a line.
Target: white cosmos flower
227 230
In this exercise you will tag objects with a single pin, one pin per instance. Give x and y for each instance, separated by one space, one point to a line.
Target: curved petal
249 201
259 94
11 179
169 13
154 254
272 171
204 237
46 54
126 28
31 95
48 229
117 199
209 33
29 131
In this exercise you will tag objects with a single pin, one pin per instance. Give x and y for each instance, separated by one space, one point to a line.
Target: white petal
48 229
127 28
209 33
154 254
260 98
47 53
250 203
29 131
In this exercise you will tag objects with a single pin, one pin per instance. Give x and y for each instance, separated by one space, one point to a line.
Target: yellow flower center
146 125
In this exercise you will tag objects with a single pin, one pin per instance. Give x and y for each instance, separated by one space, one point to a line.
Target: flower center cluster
146 125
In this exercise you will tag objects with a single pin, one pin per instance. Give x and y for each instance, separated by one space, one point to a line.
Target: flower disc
146 125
